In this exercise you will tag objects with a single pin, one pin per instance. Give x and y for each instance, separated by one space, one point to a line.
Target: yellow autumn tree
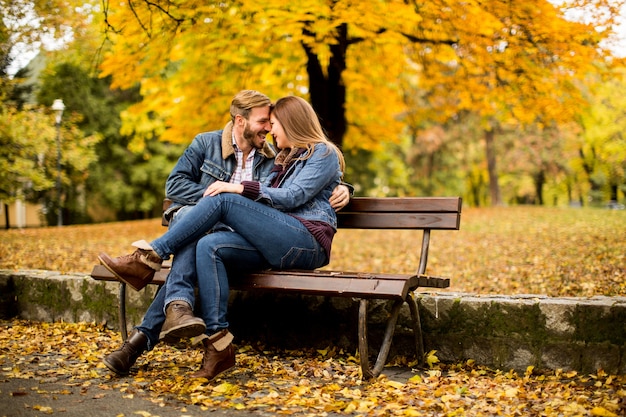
523 66
510 63
191 58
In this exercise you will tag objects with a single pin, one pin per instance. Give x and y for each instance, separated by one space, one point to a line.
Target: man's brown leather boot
180 322
219 355
136 269
121 360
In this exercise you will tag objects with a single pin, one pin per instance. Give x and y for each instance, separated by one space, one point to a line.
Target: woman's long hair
302 126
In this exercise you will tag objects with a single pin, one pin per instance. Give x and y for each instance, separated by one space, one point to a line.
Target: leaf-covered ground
557 252
323 383
513 250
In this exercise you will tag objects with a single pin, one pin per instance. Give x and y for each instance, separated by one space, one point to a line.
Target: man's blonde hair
245 101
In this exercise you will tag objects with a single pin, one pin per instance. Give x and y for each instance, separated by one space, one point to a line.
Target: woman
287 222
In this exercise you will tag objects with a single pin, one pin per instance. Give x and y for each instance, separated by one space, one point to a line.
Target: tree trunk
540 180
328 93
494 186
6 216
476 186
589 169
613 193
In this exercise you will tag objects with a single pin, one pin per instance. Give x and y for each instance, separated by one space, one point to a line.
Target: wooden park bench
420 213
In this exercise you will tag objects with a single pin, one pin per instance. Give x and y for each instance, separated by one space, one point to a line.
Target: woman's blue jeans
262 237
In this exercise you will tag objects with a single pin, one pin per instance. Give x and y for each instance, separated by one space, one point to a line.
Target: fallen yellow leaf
511 392
431 359
602 412
43 409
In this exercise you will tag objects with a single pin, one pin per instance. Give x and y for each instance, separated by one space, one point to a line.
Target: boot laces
127 346
131 256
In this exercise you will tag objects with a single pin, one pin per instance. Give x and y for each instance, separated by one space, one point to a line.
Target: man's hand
340 197
219 187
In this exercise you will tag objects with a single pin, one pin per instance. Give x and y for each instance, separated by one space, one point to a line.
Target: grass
504 250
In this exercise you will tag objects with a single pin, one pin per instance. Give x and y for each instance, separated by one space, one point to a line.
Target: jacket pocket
212 172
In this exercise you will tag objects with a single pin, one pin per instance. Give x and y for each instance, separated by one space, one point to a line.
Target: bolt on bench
418 213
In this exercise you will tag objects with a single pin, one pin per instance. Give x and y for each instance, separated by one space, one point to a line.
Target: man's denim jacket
306 188
210 158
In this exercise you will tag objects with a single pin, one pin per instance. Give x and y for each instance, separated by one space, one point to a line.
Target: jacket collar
228 149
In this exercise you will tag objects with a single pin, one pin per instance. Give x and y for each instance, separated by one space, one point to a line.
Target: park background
517 107
502 103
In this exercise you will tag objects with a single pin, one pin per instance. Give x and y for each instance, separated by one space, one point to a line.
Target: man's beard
250 136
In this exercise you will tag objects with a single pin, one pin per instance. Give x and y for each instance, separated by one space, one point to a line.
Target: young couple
264 207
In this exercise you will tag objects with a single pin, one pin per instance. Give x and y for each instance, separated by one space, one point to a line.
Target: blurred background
500 102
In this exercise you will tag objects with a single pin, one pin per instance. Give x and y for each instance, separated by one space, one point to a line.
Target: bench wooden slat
350 220
414 283
100 273
401 213
324 285
338 283
405 204
338 274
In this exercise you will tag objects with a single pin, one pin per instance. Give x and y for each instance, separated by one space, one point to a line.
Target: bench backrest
401 213
420 213
394 213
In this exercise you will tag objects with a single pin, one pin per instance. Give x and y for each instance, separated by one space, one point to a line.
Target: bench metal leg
417 329
121 302
363 348
381 359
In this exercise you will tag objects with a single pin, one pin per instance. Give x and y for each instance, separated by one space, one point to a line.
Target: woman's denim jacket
306 188
210 158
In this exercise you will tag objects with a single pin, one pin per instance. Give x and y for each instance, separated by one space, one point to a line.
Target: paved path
41 395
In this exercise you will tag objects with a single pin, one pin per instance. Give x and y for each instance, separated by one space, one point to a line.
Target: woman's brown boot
219 355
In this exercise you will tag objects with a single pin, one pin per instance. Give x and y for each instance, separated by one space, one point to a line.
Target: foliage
121 183
517 250
21 158
601 146
38 154
389 67
502 60
416 92
30 152
36 23
112 182
132 183
303 383
126 182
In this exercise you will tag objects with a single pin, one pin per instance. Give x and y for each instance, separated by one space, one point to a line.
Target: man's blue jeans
183 271
262 237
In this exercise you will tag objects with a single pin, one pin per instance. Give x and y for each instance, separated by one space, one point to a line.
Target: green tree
122 183
601 146
30 152
26 139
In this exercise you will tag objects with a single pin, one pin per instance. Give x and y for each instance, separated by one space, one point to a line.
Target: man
237 153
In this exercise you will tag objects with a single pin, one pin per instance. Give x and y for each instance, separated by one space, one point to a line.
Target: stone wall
503 332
